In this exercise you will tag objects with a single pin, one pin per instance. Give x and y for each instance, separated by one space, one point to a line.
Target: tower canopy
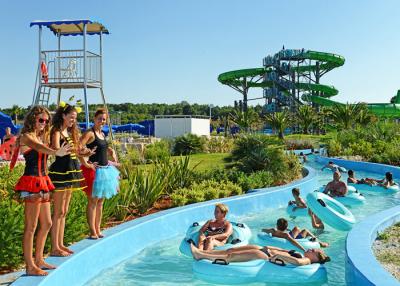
72 27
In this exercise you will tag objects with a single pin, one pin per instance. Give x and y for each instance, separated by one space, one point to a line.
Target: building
171 126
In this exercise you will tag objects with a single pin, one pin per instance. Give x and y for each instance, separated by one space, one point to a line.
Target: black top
35 163
101 151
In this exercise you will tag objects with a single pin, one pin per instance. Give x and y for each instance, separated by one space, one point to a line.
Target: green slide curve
327 62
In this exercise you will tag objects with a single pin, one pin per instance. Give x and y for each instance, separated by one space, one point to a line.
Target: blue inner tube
330 211
365 187
240 236
257 271
353 197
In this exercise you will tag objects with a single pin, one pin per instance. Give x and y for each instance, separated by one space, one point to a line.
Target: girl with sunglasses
102 179
34 186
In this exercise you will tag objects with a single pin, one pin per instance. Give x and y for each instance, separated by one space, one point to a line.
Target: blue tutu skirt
106 183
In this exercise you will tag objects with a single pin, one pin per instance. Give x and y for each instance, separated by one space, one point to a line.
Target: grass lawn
208 161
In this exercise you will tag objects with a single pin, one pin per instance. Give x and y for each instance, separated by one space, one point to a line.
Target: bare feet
66 249
36 271
59 253
93 236
195 252
323 244
42 264
100 235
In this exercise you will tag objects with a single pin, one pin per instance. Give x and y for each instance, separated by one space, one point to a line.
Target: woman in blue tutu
102 179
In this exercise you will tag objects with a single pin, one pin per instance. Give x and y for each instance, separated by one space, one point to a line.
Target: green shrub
334 148
177 172
362 148
143 189
260 179
299 144
11 231
189 144
206 190
219 144
157 151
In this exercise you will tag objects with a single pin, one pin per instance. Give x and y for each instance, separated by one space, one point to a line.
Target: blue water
162 264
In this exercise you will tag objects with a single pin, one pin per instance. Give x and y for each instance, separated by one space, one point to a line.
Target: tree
365 116
245 119
305 117
279 121
16 110
345 115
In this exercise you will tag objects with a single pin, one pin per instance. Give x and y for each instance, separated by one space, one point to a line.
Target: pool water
163 264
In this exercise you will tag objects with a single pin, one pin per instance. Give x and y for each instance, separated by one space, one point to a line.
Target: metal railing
67 66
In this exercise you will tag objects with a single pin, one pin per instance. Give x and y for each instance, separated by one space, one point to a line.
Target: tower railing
66 68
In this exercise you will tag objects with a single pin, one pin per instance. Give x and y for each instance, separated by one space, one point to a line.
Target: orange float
45 74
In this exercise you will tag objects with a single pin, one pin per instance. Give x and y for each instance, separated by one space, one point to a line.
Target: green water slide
323 62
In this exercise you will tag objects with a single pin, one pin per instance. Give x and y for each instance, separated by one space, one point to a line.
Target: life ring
297 212
353 197
267 239
330 211
44 71
220 272
240 236
365 187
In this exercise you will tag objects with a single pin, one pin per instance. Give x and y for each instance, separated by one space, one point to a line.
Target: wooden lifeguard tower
69 69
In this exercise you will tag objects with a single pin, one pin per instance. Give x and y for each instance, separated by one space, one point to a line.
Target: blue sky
169 51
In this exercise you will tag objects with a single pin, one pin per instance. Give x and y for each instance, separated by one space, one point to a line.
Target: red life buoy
45 74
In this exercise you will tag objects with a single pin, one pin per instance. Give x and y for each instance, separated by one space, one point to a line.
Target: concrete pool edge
362 268
125 240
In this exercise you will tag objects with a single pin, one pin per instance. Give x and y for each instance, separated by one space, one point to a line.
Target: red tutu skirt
34 184
89 175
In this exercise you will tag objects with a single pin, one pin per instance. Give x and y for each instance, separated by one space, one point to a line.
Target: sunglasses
41 120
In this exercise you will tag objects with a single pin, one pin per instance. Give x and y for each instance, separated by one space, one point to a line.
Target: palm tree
365 116
16 110
279 121
345 115
320 119
305 117
245 119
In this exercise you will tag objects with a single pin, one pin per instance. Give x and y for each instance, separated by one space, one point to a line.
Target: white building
171 126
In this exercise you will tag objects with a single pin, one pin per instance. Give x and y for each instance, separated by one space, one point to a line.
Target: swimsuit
299 236
212 230
65 172
34 181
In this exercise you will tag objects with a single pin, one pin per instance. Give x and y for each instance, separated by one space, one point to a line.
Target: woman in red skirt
34 186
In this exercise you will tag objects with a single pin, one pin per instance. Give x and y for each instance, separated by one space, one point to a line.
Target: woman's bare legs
45 225
99 215
32 209
58 214
62 224
234 256
91 216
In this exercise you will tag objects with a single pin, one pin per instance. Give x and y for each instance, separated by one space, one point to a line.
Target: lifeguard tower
69 69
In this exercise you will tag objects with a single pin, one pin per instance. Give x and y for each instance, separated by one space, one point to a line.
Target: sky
171 51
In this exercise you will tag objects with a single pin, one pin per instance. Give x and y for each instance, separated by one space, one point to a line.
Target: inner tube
365 187
219 272
353 197
267 239
330 211
240 236
297 211
340 169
